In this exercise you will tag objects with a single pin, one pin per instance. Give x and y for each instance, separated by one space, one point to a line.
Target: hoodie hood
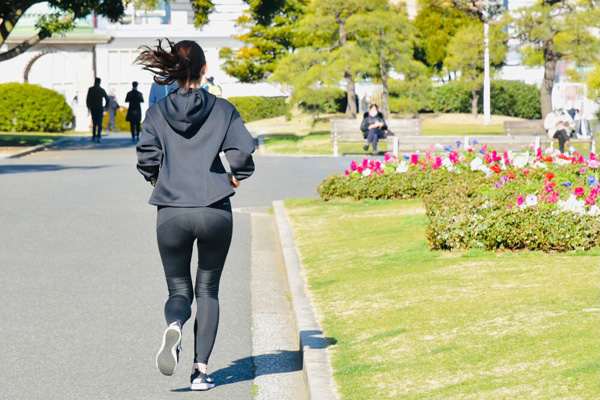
186 111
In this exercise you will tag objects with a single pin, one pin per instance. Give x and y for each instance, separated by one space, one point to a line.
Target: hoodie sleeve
149 151
364 126
238 146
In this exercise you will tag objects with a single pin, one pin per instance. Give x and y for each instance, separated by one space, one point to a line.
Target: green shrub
452 97
32 108
253 108
409 97
510 98
122 124
326 100
513 99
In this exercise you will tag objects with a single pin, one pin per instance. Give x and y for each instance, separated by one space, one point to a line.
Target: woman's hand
153 182
233 181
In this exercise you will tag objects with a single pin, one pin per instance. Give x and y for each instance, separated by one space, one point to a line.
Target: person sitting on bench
373 127
559 125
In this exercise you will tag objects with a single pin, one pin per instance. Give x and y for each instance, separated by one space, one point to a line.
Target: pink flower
414 159
386 157
582 170
593 163
353 165
579 191
438 162
347 172
520 200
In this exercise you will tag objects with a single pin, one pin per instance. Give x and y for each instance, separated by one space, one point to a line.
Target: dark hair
97 81
373 105
134 84
181 63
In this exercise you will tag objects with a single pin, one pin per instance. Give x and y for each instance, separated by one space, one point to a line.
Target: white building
98 48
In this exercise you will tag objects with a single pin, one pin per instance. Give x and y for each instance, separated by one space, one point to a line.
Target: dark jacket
112 105
134 112
368 120
94 98
180 144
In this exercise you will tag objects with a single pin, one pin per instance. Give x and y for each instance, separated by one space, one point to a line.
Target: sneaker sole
166 359
202 386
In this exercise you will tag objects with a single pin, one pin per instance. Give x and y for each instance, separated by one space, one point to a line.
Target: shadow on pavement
23 168
243 369
107 144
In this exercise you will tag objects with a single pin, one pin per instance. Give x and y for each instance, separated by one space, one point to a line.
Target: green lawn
410 323
27 139
315 143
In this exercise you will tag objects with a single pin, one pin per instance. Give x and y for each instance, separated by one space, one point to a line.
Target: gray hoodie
180 142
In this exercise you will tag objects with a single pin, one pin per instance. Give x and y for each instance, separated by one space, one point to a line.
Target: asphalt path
81 284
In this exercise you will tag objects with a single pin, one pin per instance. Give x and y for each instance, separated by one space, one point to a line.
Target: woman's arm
238 146
149 151
364 126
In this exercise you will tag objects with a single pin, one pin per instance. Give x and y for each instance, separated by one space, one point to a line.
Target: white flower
572 204
476 164
531 200
438 146
366 172
520 161
402 168
594 211
446 163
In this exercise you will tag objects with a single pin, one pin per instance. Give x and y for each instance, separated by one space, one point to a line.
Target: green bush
513 99
253 108
409 97
32 108
452 97
122 124
326 100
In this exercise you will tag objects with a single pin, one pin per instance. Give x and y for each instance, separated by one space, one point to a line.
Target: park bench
409 144
536 128
348 130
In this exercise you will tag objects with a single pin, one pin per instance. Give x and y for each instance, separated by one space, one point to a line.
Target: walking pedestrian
178 153
112 107
211 87
95 104
134 112
559 126
159 92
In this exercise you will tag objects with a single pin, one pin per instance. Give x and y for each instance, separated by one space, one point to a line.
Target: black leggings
562 137
177 230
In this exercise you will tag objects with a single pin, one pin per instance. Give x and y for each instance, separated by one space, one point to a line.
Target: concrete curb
317 371
39 147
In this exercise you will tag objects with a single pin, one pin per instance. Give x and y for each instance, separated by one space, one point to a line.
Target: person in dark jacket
95 103
178 153
112 107
373 127
134 112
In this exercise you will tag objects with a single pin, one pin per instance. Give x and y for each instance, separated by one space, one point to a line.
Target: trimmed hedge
122 124
510 98
32 108
253 108
326 100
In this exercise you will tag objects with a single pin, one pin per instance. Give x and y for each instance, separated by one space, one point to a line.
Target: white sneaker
201 381
168 355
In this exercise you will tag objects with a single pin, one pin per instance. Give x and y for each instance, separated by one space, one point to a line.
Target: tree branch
23 47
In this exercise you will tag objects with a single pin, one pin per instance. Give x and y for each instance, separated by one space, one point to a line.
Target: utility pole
486 68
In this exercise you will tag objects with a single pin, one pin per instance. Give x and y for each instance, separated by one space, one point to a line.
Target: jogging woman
178 153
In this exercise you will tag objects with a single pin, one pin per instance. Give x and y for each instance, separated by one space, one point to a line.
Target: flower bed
527 200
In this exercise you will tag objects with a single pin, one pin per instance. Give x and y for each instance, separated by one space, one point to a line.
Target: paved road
82 288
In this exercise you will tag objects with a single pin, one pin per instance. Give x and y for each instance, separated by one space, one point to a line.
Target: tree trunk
385 105
550 58
350 95
474 101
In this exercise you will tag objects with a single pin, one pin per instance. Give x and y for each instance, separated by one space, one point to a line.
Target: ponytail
181 62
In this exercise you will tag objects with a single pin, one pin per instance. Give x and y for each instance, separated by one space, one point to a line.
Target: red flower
496 168
510 175
550 175
579 191
547 159
525 171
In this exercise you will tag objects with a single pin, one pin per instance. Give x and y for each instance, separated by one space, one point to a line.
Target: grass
27 139
410 323
318 143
